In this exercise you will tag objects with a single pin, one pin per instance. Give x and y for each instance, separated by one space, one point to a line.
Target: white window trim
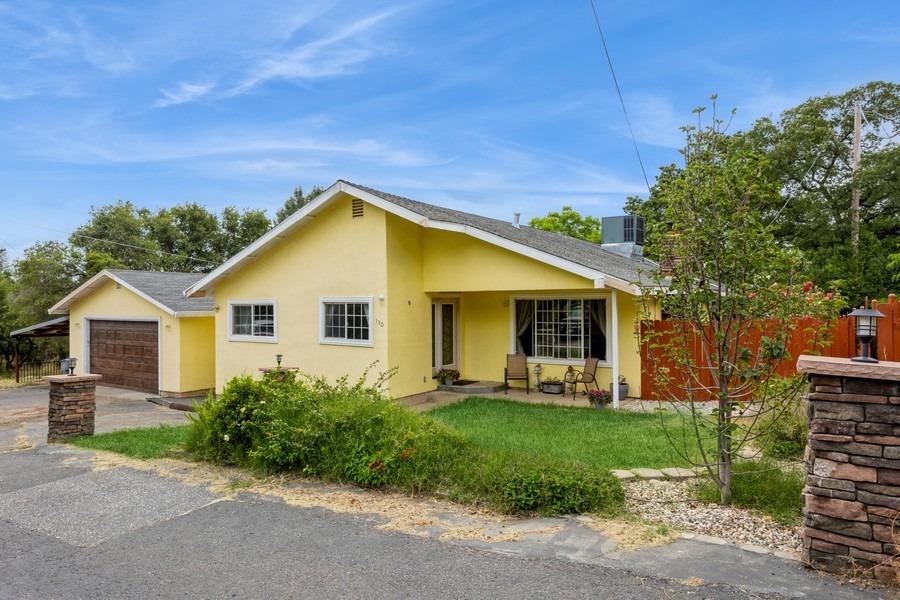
252 338
342 341
533 360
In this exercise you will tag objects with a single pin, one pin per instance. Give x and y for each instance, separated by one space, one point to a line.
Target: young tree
570 222
735 293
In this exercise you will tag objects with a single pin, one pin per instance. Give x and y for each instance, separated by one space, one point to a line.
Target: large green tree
808 152
185 237
570 222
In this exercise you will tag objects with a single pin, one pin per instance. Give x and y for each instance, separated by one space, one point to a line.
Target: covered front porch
472 332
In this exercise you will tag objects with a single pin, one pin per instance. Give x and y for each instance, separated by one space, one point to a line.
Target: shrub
763 486
522 483
784 428
352 433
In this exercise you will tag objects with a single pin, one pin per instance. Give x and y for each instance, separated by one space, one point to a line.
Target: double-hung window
346 321
252 321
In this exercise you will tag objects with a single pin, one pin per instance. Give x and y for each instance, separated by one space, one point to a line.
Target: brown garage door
126 354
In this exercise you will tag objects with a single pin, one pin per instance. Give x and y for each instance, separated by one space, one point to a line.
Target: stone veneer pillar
852 493
72 406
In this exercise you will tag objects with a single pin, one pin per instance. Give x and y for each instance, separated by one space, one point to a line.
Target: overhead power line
619 92
115 243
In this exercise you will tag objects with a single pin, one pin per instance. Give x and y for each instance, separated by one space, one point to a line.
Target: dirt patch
423 517
12 416
632 535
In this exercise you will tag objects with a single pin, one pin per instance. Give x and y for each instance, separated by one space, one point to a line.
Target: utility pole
854 206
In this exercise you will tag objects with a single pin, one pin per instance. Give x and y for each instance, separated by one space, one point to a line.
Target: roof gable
161 289
605 268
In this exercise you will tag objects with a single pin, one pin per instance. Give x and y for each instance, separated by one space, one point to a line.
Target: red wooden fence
842 343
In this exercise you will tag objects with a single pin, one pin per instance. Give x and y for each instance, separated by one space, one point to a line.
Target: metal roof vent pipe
516 217
623 235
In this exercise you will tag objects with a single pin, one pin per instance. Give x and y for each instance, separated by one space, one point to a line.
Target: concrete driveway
23 414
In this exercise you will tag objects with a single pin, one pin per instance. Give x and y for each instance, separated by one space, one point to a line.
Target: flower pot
623 390
448 381
600 405
552 388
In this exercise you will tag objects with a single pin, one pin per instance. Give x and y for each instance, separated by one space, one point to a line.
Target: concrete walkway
430 400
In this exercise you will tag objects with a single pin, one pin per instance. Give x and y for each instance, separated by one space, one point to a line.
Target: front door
444 336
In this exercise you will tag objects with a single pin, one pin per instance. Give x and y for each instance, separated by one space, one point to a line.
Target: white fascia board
141 294
388 206
62 306
194 313
528 251
270 236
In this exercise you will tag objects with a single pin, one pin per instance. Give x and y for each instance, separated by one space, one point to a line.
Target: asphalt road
261 549
69 531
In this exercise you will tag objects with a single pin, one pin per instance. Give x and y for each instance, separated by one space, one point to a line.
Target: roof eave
342 186
62 307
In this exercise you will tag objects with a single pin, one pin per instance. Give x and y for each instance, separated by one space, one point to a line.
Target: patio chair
586 376
516 370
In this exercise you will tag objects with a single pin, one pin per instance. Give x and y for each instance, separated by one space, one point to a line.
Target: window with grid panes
253 320
346 321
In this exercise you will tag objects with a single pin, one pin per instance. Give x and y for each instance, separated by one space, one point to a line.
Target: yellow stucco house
139 331
359 276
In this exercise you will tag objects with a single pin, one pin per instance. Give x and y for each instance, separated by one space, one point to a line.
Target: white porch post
615 347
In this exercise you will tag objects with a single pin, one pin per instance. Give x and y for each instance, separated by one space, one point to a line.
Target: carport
58 327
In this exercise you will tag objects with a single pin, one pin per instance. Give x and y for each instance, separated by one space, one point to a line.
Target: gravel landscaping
672 503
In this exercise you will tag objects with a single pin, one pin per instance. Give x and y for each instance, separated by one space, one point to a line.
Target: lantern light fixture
278 359
866 329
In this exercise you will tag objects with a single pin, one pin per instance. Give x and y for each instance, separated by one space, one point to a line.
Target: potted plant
552 385
623 387
599 399
447 376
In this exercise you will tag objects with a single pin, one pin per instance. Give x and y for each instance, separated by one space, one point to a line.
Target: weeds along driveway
78 524
23 414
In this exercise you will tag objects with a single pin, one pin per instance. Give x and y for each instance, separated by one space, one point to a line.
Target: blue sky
490 107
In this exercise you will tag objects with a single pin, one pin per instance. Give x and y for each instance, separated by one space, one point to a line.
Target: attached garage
137 330
125 353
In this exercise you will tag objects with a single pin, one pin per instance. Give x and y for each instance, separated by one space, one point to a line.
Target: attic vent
357 208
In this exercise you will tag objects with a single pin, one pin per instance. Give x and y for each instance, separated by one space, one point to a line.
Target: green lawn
606 438
147 442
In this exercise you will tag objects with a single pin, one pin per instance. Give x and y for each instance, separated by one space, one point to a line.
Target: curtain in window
524 319
598 314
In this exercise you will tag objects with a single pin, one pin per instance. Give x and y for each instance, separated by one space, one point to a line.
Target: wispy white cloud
654 118
335 54
185 92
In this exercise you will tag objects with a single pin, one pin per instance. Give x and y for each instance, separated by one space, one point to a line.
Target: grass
765 487
145 443
606 439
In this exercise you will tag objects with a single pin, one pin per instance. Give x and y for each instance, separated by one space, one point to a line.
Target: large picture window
561 328
253 321
346 321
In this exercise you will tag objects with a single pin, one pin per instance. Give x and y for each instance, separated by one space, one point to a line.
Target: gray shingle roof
167 288
593 256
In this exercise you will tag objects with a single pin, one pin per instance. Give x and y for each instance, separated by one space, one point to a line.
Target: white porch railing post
615 348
